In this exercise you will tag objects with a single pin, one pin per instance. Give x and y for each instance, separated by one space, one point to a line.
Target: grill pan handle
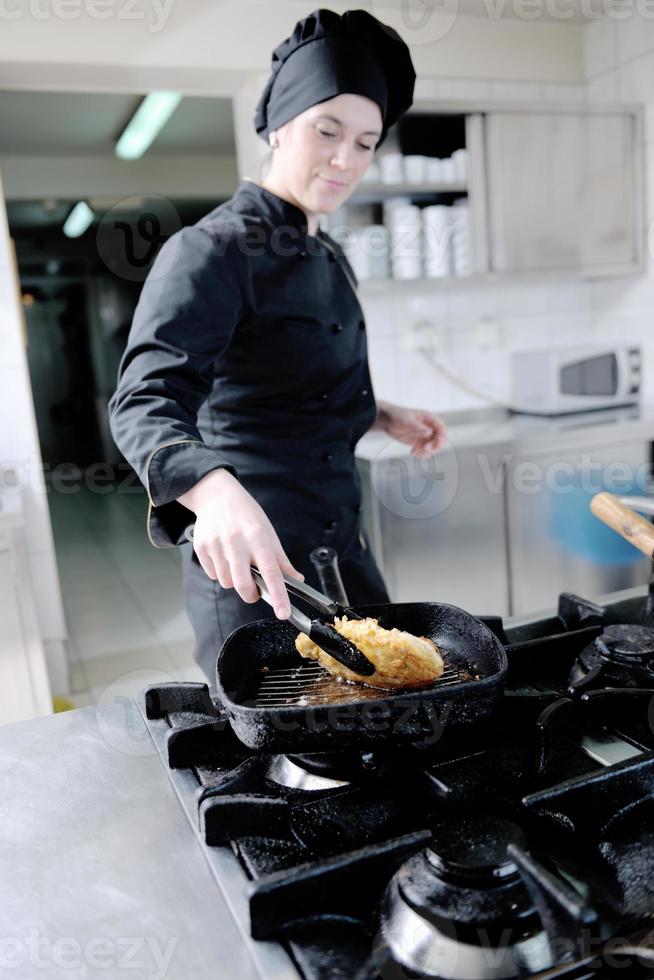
325 636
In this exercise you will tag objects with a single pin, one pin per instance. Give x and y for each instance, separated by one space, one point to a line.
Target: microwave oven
556 381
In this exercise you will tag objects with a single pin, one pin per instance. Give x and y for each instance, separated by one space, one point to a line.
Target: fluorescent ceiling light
146 124
78 220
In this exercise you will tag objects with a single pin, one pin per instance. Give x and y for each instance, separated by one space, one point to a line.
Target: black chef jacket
248 351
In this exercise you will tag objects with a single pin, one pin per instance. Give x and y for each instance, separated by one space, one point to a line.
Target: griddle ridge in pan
312 684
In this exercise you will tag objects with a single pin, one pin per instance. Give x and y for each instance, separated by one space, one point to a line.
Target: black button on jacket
232 361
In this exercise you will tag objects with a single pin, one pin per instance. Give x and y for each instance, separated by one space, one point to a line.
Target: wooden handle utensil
633 528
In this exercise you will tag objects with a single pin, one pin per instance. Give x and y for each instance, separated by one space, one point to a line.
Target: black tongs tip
322 633
340 648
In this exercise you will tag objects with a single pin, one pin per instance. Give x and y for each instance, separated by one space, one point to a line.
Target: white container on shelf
407 214
407 269
350 242
448 171
368 252
434 170
460 158
392 170
406 242
390 205
436 214
436 241
415 170
374 241
405 228
461 245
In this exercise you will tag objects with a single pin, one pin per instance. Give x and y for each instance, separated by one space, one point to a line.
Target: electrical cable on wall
459 382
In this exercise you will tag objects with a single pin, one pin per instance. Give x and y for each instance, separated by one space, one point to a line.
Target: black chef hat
330 53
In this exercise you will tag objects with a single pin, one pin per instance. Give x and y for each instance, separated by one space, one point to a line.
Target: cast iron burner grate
312 684
621 656
321 860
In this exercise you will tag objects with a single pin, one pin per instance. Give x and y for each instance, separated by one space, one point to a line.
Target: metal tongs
318 630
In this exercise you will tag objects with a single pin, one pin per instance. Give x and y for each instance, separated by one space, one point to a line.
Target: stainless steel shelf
366 193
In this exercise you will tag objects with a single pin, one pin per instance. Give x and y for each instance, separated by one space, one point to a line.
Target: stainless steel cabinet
437 528
565 190
555 542
500 530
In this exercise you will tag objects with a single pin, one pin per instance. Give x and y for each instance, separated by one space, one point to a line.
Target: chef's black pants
215 612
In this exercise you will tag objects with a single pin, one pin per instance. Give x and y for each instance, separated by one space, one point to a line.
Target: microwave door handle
624 374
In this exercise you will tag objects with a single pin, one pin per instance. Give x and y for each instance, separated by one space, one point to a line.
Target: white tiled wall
619 65
476 330
547 311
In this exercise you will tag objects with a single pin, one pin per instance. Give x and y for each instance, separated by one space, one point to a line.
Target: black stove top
519 847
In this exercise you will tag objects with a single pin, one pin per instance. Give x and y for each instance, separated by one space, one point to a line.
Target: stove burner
475 849
431 951
627 644
461 910
283 771
325 770
622 656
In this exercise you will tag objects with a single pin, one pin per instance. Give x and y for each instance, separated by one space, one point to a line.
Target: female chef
244 387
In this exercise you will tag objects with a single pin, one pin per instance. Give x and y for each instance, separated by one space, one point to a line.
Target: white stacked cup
461 238
368 252
434 170
392 170
448 170
389 206
351 245
376 246
415 168
436 229
406 241
460 160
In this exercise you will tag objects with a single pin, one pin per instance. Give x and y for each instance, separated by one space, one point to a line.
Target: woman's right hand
231 533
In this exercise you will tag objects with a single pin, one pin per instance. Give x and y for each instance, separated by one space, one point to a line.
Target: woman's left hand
420 429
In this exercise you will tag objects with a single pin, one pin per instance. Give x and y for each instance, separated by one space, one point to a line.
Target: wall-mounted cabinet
543 190
564 191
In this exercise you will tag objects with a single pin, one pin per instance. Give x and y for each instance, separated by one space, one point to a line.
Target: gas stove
519 847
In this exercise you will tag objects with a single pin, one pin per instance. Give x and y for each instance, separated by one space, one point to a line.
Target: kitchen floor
123 598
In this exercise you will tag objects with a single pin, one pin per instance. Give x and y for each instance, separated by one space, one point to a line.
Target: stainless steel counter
503 431
101 869
636 592
499 521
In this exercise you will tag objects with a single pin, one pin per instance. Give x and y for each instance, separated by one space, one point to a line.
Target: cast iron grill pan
278 701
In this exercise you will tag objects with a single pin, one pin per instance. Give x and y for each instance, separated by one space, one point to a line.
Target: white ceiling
56 123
